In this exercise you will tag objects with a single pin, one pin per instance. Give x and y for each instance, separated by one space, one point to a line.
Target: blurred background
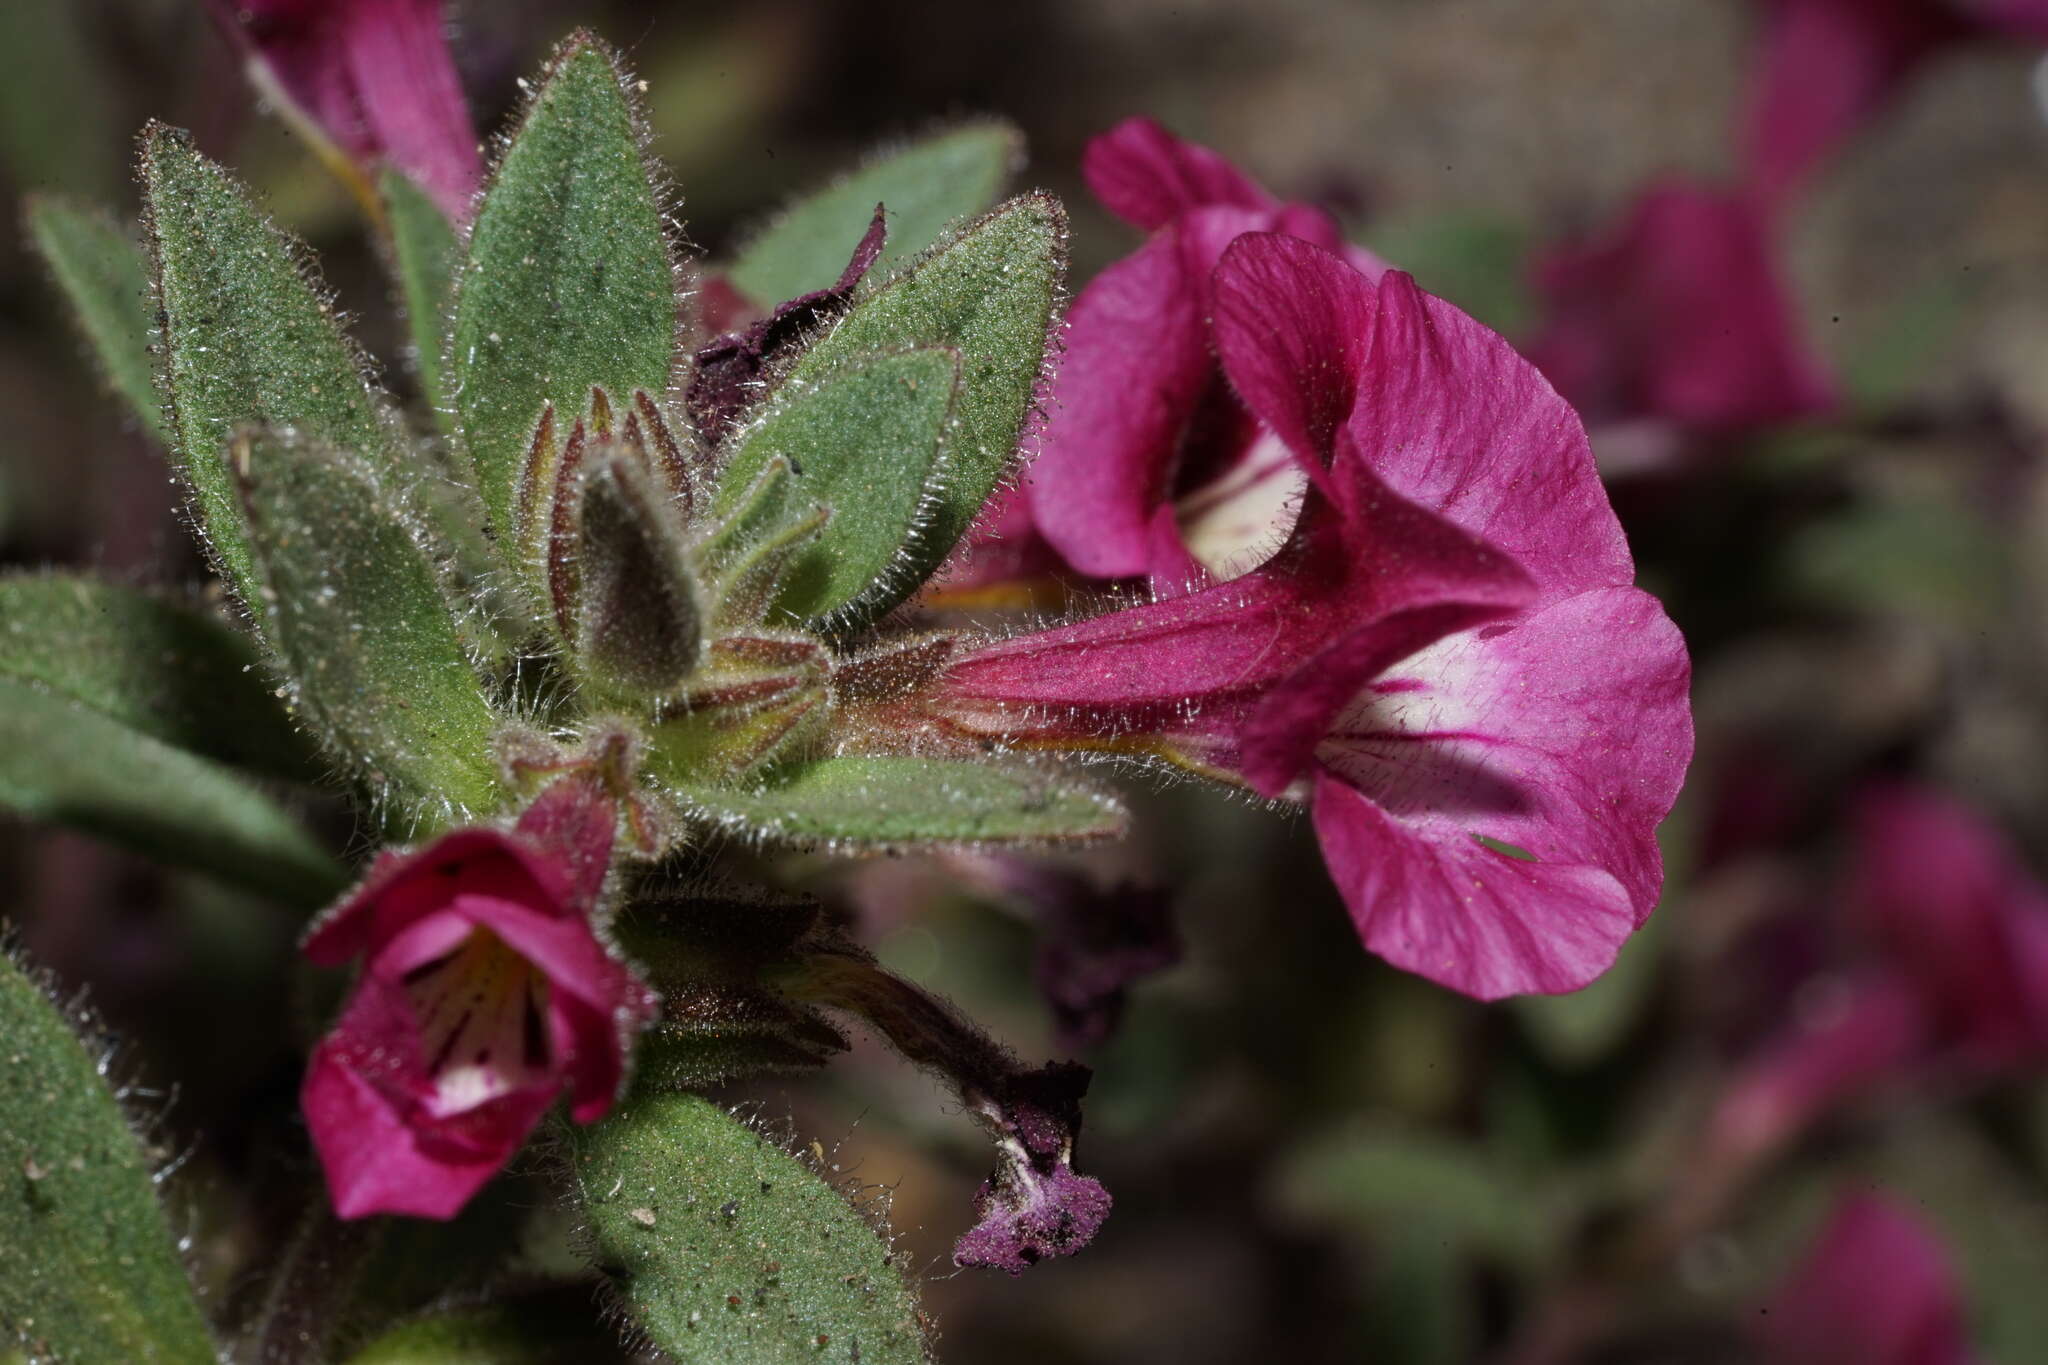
1315 1158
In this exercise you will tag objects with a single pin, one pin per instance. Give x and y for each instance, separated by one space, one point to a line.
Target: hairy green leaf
67 764
887 800
987 293
545 1333
105 278
248 338
729 1251
171 672
359 621
863 443
87 1269
925 186
568 283
425 256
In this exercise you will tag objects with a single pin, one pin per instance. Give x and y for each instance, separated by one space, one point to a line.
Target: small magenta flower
484 994
1446 651
371 79
1826 67
1147 457
1677 319
1876 1289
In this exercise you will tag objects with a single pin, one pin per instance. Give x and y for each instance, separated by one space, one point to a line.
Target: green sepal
359 623
887 801
70 765
988 293
864 442
569 282
743 556
546 1332
639 624
88 1271
727 1250
172 672
705 949
248 339
105 278
758 700
925 186
425 256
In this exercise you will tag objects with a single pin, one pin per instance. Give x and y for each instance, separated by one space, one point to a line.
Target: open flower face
484 994
1448 650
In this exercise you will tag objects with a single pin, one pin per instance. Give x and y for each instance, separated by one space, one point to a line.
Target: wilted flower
1678 320
1876 1289
370 81
1446 651
484 993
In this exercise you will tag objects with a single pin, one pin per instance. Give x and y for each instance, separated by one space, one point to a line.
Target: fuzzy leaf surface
105 278
69 765
925 186
729 1251
568 281
170 672
425 256
864 444
87 1268
248 339
358 619
890 800
987 293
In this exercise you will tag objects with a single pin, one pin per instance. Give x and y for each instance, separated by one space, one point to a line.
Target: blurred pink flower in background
1447 647
371 79
484 993
1875 1289
1678 317
1826 67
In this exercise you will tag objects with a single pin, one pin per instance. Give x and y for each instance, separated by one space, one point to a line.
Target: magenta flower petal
1148 177
1876 1289
1948 902
484 994
372 76
1565 734
1137 360
1681 314
1451 416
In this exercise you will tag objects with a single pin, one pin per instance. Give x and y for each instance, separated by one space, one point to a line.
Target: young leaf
70 765
106 280
425 256
87 1268
247 338
357 617
170 672
987 293
568 283
886 801
729 1251
743 556
863 443
925 187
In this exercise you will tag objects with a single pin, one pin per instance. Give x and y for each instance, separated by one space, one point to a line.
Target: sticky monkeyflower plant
680 561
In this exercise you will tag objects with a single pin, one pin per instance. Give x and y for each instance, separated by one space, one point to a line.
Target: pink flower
1142 419
373 78
484 993
1447 648
1876 1289
1678 317
1827 66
